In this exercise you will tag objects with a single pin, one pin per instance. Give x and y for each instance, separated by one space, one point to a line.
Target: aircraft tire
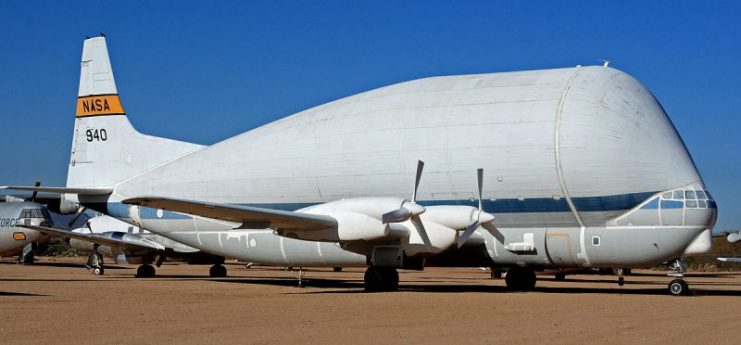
217 271
373 279
560 276
145 271
337 269
381 279
679 287
520 279
98 271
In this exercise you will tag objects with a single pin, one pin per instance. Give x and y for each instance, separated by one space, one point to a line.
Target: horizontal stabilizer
250 217
63 190
140 243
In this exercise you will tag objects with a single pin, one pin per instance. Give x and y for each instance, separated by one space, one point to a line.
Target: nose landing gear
678 286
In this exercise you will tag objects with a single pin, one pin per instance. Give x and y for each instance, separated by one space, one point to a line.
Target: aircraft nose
697 206
691 205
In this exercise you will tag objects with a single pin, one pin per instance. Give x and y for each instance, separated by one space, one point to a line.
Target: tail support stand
300 277
27 256
621 277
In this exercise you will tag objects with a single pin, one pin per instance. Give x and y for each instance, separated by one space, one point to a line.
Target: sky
203 72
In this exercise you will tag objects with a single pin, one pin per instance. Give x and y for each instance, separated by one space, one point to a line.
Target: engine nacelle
358 219
67 206
453 217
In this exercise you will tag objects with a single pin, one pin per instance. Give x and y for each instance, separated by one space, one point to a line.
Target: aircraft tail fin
106 149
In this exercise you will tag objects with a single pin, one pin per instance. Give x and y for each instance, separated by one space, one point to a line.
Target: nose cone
615 139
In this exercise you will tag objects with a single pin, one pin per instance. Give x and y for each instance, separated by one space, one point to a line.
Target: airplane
547 169
732 238
106 236
15 240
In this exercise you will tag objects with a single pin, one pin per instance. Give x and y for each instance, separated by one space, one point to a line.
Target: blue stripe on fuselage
583 204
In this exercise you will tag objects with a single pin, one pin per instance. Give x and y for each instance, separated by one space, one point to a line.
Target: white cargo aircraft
581 167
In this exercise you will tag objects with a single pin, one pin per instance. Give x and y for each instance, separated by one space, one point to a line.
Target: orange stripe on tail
99 105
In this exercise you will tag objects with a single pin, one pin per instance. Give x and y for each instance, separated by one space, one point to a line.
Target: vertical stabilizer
106 149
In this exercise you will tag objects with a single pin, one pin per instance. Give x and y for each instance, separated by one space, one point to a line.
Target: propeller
35 193
80 211
484 219
410 210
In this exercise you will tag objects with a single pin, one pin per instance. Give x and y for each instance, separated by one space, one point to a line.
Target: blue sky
203 72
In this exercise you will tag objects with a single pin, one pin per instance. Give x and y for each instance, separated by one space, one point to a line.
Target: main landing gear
520 279
381 279
678 286
145 271
95 263
217 271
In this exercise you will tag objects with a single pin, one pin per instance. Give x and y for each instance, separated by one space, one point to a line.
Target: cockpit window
666 196
701 195
691 203
678 195
702 204
35 213
689 194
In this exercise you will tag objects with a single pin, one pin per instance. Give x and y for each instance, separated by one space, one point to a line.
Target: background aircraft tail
106 149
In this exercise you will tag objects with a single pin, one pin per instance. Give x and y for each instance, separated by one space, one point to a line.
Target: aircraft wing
62 190
251 217
98 239
729 259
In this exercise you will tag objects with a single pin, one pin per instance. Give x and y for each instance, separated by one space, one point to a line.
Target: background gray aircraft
15 240
124 243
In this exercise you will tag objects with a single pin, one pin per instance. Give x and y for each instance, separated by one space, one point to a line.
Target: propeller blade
421 230
420 166
480 173
494 231
407 209
463 237
35 193
395 216
78 214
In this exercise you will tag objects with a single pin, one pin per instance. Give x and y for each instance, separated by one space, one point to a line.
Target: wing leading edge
249 217
62 190
98 239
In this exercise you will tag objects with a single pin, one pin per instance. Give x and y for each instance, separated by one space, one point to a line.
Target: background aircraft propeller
80 211
35 193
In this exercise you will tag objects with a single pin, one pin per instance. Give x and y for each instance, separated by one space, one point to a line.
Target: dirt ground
58 302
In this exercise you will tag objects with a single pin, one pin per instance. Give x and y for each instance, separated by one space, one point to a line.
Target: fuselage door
560 247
